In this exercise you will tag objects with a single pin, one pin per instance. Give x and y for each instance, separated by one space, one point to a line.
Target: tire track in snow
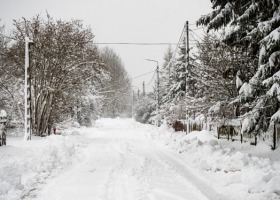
188 174
124 181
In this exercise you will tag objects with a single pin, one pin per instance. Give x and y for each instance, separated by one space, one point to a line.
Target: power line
197 28
137 43
151 79
174 53
143 74
195 34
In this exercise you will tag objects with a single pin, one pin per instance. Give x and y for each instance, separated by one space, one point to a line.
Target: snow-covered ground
121 159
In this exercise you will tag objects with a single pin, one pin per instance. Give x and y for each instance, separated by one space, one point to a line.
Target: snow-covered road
121 163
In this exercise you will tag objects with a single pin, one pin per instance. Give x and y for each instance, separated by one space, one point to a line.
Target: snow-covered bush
143 109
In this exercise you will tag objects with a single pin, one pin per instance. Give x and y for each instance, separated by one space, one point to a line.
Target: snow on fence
229 129
198 124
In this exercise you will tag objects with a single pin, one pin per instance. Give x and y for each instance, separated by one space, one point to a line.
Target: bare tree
64 65
117 88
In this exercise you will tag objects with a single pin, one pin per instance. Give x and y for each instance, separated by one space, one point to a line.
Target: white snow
246 90
3 113
247 125
239 82
26 164
122 159
215 108
238 171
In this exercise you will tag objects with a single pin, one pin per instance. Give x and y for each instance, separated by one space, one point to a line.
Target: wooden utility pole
187 68
187 53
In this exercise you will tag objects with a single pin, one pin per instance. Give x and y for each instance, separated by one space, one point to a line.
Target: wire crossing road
120 162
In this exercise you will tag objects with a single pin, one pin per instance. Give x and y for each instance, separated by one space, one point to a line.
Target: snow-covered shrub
143 109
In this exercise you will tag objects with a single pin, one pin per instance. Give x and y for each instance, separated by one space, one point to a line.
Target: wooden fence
228 129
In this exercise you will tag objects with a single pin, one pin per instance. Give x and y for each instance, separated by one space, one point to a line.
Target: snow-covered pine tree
253 26
167 75
177 80
216 67
179 88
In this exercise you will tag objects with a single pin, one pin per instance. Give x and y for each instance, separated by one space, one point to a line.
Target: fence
229 129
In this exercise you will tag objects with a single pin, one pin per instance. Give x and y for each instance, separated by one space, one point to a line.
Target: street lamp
27 92
157 89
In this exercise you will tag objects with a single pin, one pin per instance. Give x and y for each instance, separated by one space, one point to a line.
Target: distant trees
144 109
116 89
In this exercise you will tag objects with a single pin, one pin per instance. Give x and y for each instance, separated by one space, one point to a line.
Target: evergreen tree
179 88
216 72
165 75
254 27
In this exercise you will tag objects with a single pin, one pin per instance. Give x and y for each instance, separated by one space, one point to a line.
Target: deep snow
122 159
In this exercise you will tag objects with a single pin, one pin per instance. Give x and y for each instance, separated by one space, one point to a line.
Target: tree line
70 75
233 71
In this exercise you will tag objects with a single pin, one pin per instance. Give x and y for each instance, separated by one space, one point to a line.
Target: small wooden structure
179 125
3 127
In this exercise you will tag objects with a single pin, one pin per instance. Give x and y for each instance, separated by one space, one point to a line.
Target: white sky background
119 21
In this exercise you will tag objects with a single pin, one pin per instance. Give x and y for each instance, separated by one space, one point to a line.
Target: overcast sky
120 21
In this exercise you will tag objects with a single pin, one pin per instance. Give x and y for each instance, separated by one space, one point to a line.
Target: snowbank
237 174
23 165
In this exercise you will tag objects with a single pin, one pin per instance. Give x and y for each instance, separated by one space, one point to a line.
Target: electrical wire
102 89
197 28
143 75
195 34
136 43
151 79
174 53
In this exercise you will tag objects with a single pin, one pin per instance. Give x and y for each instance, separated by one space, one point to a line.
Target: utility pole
144 88
27 92
187 68
157 95
188 51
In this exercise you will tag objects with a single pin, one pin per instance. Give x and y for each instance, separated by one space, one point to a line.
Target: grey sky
119 21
